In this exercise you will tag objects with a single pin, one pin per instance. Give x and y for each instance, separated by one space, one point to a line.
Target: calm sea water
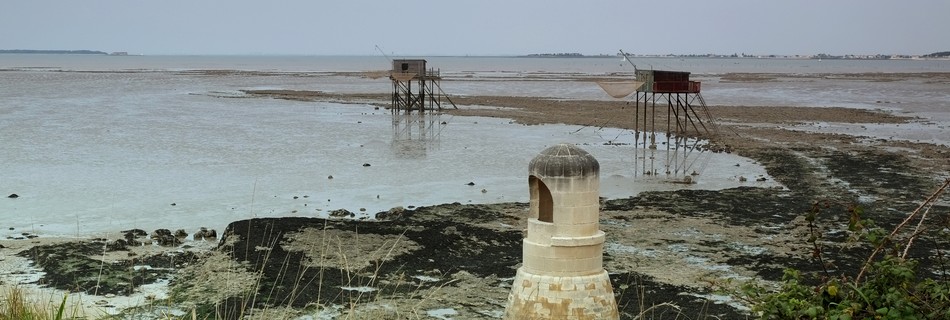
98 144
464 64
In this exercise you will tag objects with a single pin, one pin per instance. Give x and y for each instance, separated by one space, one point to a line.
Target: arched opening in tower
541 192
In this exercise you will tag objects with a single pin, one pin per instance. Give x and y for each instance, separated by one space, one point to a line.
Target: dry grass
15 305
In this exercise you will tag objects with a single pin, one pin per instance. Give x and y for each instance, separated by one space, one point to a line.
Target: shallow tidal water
95 144
95 153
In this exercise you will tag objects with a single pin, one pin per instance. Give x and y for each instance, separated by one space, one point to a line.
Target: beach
880 142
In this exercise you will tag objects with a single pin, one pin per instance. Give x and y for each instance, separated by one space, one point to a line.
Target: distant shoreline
932 56
31 51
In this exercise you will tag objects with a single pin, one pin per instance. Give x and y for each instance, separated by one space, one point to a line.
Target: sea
92 145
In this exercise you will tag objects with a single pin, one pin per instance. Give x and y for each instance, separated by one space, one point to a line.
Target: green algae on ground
72 266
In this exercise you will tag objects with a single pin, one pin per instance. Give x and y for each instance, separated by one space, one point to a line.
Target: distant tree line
943 54
558 55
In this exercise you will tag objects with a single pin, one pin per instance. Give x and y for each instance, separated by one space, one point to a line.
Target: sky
478 27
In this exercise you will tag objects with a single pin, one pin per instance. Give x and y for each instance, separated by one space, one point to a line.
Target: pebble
13 196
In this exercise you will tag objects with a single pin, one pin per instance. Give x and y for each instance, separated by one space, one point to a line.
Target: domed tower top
563 160
564 182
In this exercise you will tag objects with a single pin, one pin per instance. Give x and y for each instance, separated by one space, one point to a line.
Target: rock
205 234
330 177
181 234
341 213
160 232
362 209
136 232
13 196
117 245
484 191
366 164
174 204
391 214
470 183
167 240
133 234
762 179
742 179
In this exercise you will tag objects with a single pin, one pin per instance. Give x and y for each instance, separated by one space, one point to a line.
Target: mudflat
669 253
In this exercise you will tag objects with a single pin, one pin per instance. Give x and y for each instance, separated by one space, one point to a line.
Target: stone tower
562 276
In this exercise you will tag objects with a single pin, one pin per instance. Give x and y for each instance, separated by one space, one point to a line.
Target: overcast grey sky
483 27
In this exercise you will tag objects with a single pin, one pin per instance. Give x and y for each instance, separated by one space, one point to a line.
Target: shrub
888 286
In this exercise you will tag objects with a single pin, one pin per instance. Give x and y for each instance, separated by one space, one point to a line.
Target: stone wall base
547 297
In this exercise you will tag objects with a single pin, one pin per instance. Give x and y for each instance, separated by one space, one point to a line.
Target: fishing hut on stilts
672 124
416 88
416 99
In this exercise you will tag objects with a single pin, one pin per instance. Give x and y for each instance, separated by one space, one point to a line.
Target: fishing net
403 76
619 89
376 74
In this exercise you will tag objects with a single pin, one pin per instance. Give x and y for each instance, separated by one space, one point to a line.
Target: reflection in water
415 133
675 158
668 144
